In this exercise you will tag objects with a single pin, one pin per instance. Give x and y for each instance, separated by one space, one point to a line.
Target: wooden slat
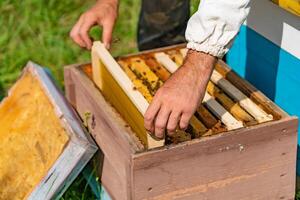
109 76
249 90
183 52
102 58
198 127
204 114
213 105
230 122
136 82
166 61
152 51
176 56
157 68
242 99
210 121
143 72
114 116
230 105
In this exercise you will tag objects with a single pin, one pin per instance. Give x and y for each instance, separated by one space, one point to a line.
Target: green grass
79 190
38 30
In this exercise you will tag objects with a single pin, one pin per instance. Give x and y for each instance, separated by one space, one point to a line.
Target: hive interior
31 138
148 75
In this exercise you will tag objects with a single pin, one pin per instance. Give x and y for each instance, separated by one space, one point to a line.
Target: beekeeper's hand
104 13
177 100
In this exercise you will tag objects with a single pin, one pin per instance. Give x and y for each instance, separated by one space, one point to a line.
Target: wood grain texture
153 51
244 164
219 111
183 52
205 116
115 185
198 127
166 61
230 105
176 56
249 90
245 102
157 68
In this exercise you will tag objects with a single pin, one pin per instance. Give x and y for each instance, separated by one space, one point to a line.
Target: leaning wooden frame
77 152
243 160
110 77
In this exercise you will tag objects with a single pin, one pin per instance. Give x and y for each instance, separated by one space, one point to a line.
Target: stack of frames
224 106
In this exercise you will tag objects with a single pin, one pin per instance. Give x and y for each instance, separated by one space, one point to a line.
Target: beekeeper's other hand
104 13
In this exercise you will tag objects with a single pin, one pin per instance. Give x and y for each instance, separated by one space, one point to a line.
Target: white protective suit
214 26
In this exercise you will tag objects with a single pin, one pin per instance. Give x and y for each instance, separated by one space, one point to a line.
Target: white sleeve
213 27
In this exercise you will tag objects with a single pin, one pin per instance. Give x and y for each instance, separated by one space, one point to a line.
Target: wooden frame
78 151
244 101
107 72
257 162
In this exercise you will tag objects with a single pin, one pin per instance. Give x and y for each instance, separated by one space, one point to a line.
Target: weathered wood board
42 144
254 162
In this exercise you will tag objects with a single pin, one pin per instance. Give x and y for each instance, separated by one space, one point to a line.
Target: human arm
209 33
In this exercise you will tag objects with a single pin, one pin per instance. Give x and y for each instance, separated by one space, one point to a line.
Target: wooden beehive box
239 145
42 144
